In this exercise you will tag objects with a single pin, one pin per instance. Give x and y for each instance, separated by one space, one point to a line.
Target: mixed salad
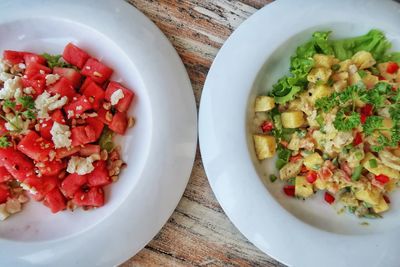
58 116
334 122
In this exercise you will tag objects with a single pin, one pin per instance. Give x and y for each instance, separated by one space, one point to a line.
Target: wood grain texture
199 233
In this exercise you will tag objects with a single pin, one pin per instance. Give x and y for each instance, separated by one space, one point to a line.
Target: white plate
297 233
159 150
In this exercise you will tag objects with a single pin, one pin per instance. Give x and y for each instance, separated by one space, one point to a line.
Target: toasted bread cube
370 80
363 60
264 103
320 91
313 161
381 206
324 61
302 187
344 65
320 75
265 146
292 119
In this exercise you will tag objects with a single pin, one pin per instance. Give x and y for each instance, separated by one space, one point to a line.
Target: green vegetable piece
356 173
345 122
26 102
55 61
106 139
371 124
4 142
273 178
9 104
373 163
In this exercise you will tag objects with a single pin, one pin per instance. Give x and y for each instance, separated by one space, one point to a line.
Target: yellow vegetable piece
363 60
265 146
380 168
264 103
292 119
320 184
302 187
381 206
319 75
370 196
312 161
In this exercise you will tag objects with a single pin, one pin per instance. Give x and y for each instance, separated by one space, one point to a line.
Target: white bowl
298 233
165 133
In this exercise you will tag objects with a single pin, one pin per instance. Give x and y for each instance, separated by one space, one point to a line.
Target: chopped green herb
29 114
106 139
371 124
26 102
362 73
345 122
55 61
291 181
335 67
4 142
9 104
273 178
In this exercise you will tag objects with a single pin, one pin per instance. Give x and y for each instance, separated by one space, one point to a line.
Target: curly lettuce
302 61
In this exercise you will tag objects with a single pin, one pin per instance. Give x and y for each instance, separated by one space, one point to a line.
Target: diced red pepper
289 190
267 126
363 118
75 55
13 57
295 158
381 78
96 70
4 193
358 139
303 169
312 176
367 109
392 67
329 198
383 179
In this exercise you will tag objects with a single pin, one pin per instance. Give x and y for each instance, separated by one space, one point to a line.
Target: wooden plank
199 233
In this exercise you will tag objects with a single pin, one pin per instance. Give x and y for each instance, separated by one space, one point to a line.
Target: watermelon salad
58 116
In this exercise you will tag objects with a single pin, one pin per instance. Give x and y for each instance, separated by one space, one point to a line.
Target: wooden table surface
199 233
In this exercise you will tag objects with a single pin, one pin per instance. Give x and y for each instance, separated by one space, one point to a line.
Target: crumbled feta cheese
4 76
22 66
80 165
70 114
18 93
10 86
26 187
51 78
42 72
79 108
116 96
3 212
16 123
60 135
45 102
29 90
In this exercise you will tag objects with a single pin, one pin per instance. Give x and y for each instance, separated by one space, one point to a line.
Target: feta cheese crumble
116 96
45 103
80 165
4 76
16 123
3 66
60 135
51 78
10 86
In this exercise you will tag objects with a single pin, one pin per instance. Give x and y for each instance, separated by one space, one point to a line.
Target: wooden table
199 233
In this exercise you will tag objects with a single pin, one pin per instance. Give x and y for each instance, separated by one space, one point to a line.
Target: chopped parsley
4 142
345 122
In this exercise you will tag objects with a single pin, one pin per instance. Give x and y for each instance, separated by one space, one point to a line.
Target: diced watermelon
45 128
33 58
96 70
66 152
101 115
94 197
3 129
69 73
85 83
94 91
81 135
16 163
51 168
96 124
58 116
4 175
4 193
75 55
62 87
55 201
35 71
35 146
89 149
72 183
38 85
119 123
124 103
13 57
78 107
99 176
